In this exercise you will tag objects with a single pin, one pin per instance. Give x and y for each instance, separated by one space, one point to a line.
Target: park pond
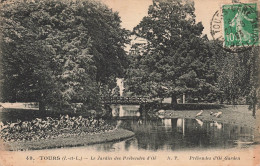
160 134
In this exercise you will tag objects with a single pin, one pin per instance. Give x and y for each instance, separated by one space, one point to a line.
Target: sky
132 11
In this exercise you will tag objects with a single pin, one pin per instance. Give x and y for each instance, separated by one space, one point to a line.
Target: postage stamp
236 26
240 24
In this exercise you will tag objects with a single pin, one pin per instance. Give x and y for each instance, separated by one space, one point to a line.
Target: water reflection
177 134
172 134
199 122
125 110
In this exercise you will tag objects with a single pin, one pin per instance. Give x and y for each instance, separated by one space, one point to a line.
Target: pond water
177 134
158 134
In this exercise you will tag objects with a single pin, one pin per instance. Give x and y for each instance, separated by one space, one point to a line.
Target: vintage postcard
129 82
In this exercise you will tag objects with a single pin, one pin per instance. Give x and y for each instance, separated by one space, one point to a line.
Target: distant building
138 45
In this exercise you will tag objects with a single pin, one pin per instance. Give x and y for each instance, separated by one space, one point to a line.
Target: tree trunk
42 106
183 98
254 110
257 132
221 100
174 100
254 103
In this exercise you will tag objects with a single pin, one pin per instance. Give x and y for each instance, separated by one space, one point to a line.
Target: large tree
109 41
176 59
54 52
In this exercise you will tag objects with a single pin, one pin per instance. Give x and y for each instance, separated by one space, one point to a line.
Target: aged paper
214 146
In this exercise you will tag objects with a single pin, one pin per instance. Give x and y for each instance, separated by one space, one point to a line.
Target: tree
54 51
177 58
109 40
39 62
253 90
237 74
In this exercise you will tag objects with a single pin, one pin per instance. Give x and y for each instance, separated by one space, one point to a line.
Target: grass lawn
239 115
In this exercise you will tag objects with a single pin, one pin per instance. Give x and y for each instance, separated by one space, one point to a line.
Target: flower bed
61 132
72 141
47 128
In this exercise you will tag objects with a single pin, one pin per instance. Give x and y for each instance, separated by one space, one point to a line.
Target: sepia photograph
129 82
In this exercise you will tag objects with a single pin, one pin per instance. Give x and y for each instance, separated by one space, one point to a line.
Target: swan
200 113
218 114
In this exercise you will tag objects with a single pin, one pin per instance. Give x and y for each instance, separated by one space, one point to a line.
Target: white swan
200 113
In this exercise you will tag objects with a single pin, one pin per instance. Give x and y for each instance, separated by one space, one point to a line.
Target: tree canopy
176 58
171 57
58 52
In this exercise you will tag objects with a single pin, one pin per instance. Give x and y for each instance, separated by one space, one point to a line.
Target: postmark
235 27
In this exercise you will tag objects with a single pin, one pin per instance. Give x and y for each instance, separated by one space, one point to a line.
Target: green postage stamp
240 25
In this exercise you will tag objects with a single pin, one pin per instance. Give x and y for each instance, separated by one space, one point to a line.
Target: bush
192 106
155 106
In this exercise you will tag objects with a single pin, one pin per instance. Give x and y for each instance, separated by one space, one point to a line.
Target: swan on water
161 111
200 113
218 114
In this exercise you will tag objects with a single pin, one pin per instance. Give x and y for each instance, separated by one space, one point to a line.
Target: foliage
59 52
176 58
193 106
109 40
108 89
254 94
48 128
238 75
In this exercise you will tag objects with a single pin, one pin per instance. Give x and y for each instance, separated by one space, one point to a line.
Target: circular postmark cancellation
235 27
